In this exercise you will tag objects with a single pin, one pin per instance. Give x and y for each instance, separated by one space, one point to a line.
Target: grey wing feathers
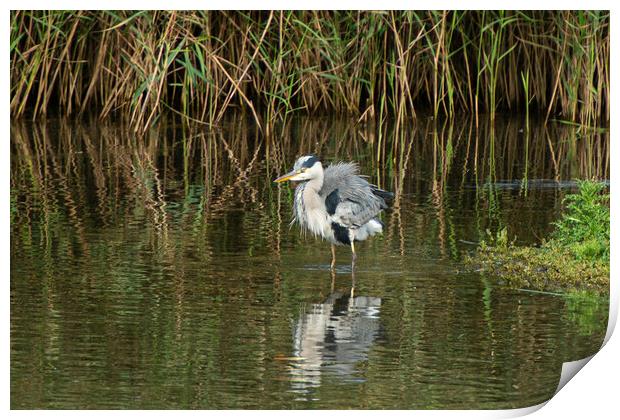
350 199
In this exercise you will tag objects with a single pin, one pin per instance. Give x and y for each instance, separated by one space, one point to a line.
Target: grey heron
336 203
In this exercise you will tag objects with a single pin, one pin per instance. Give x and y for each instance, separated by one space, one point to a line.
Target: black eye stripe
310 161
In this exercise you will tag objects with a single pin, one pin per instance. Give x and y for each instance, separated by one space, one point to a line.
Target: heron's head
305 168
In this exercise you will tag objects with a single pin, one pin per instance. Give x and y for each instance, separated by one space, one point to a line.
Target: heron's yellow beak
286 177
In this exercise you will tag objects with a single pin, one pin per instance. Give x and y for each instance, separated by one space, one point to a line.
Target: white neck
316 183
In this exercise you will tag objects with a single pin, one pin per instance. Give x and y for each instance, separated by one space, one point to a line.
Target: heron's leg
333 257
353 254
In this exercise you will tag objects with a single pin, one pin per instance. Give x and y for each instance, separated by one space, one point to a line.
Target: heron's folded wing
349 198
355 214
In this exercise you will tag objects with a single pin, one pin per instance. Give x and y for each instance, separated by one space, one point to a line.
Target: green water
162 273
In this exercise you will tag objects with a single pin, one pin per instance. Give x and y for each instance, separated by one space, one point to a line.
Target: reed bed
137 66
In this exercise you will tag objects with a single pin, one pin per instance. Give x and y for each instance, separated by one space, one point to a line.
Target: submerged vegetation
369 65
575 258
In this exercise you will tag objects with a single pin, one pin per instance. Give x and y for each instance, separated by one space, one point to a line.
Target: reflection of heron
336 202
332 337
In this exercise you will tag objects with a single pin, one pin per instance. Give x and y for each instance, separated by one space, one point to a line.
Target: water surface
162 272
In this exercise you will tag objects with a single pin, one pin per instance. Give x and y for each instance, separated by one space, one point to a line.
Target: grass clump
575 258
584 227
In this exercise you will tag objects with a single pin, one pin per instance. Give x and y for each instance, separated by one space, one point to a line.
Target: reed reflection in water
160 272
